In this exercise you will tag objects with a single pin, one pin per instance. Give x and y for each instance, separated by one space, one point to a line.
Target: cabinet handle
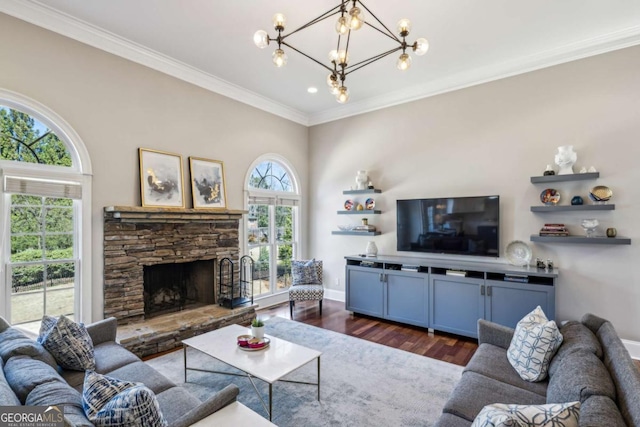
488 291
482 290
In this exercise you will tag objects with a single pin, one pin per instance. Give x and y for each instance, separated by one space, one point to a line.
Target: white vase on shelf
372 249
362 178
565 159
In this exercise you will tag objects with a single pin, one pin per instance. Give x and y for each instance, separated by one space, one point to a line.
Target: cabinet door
506 303
456 304
407 298
364 291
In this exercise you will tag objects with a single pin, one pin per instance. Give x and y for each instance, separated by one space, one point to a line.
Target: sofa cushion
176 402
551 415
4 324
7 396
54 393
111 356
111 402
68 341
304 272
491 361
580 375
143 373
25 373
15 343
598 411
475 391
534 343
449 420
575 336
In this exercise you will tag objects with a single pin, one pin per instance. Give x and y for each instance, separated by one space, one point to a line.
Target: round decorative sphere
577 200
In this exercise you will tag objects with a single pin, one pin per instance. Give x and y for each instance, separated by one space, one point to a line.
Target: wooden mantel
147 214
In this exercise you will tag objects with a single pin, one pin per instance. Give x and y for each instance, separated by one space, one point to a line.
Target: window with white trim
272 225
40 211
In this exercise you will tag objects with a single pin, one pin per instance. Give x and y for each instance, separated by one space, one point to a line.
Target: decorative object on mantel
592 170
518 253
612 232
370 185
600 194
208 187
590 226
348 205
372 249
362 178
370 204
576 201
549 171
565 159
359 207
583 169
161 182
348 21
550 196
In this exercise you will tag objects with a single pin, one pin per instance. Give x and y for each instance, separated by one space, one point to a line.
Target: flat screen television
450 225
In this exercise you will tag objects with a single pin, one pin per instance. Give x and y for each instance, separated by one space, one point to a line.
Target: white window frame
79 173
275 297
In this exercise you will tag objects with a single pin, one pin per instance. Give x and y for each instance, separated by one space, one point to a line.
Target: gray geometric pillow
534 343
111 402
68 342
304 272
551 415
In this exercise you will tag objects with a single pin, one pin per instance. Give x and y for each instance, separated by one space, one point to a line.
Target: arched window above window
24 138
271 175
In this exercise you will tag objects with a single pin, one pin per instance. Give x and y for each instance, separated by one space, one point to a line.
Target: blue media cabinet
448 296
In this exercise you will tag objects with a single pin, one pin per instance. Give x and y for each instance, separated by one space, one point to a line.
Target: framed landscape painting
161 179
208 186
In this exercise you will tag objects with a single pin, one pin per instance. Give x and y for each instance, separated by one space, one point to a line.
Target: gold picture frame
208 184
161 179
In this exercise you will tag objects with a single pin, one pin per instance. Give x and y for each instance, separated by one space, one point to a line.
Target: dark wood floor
451 348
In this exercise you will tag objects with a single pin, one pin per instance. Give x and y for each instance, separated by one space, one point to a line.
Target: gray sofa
30 376
591 366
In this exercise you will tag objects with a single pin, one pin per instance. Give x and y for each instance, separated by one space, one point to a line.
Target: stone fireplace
176 250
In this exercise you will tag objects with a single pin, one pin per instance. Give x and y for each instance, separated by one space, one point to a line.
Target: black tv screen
450 225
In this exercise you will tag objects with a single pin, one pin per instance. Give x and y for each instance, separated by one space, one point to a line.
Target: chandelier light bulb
356 18
343 95
421 46
279 21
279 58
404 62
404 27
333 56
343 57
341 26
261 39
332 79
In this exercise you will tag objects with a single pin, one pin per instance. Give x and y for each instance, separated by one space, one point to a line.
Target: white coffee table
269 364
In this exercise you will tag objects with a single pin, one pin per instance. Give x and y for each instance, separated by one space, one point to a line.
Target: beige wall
490 139
117 106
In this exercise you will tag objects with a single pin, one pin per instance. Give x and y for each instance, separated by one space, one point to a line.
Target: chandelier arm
371 60
384 33
328 14
380 22
304 54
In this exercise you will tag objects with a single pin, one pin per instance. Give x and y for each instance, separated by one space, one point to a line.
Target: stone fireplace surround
137 236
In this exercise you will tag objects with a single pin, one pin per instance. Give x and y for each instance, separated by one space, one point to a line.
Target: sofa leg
320 307
291 309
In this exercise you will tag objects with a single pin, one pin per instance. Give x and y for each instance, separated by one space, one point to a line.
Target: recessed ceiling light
312 89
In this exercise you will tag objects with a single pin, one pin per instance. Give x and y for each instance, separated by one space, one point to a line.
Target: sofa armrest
103 330
492 333
216 402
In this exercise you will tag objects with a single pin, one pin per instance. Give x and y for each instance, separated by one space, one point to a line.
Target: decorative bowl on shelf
346 227
600 194
550 196
518 253
590 226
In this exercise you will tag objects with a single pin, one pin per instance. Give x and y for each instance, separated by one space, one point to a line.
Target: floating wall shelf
357 233
561 178
363 212
368 191
581 240
566 208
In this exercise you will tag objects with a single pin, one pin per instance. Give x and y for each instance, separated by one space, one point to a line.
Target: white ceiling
209 43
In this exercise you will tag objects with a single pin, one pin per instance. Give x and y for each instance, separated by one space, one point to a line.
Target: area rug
362 383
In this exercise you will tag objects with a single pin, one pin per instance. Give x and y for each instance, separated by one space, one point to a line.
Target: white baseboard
334 295
633 347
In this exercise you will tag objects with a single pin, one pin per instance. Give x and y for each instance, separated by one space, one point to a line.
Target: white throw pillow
550 415
535 341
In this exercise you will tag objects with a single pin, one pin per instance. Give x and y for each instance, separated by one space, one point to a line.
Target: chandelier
349 20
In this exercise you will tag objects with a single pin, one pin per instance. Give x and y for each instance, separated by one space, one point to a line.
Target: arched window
272 225
44 215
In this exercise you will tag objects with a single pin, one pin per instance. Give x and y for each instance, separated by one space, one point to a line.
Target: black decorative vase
577 200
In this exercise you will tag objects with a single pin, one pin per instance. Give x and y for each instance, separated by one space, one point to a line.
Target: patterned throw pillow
111 402
550 415
304 272
534 343
68 342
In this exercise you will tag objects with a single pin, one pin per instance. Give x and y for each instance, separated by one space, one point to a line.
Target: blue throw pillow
111 402
304 272
68 342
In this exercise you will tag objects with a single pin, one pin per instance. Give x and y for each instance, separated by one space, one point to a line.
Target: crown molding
567 53
43 16
53 20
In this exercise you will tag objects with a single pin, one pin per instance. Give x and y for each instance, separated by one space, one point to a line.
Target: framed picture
161 179
207 183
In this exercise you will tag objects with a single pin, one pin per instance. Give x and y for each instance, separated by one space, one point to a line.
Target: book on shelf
554 234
